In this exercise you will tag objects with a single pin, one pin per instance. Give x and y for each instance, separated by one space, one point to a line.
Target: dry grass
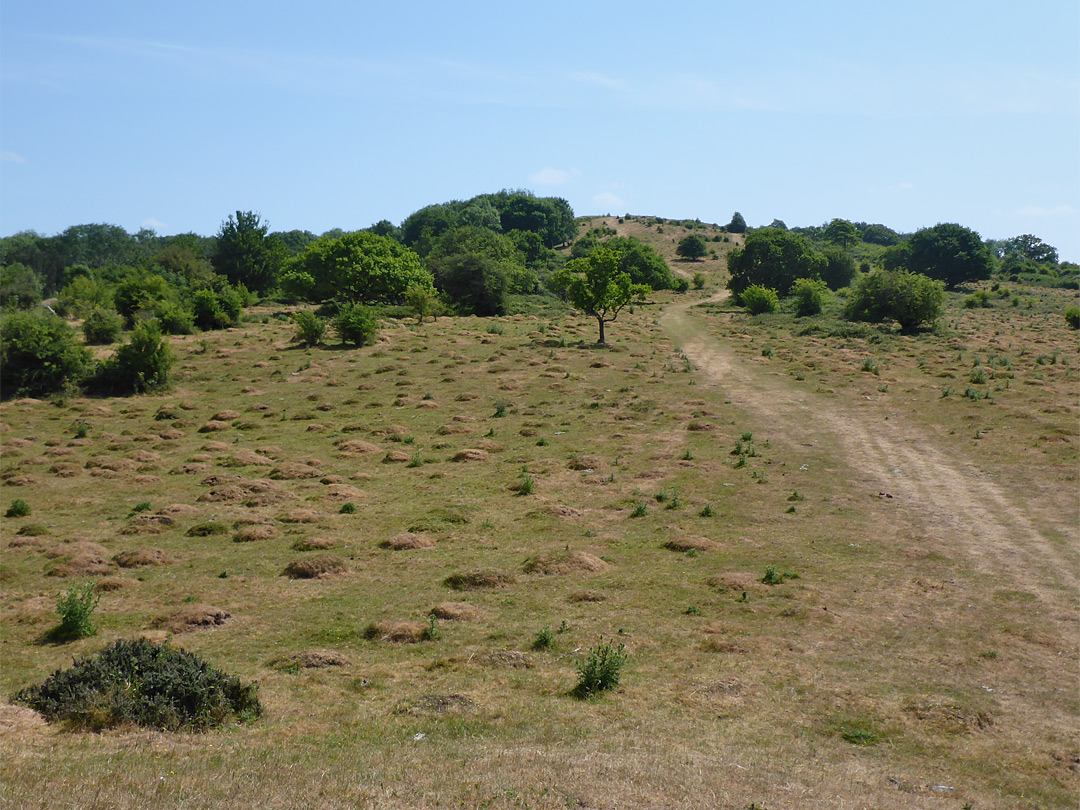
316 566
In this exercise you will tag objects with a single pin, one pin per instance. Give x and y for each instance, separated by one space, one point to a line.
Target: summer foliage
595 285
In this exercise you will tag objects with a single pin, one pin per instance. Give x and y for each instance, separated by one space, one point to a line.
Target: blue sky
339 114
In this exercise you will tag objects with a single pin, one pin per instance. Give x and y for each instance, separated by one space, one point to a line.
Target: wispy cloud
553 177
11 157
154 224
609 201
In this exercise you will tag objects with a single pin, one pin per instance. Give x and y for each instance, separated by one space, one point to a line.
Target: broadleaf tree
595 285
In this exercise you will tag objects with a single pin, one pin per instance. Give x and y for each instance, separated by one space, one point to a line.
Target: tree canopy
949 252
737 224
692 246
772 258
596 285
360 267
246 254
841 232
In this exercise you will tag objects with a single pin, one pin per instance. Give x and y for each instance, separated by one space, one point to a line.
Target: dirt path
941 496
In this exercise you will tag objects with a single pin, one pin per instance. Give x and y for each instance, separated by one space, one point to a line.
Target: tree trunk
600 320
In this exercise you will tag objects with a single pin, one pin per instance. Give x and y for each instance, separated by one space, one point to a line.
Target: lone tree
737 224
841 232
692 247
595 285
949 252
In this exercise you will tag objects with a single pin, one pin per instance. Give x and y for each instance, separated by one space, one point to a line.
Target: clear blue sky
339 114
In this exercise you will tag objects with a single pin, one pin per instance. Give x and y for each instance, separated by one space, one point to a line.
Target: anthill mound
566 563
315 566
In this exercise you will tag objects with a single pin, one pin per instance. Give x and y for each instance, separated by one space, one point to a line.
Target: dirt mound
343 492
561 510
139 557
587 596
64 470
455 429
732 581
349 448
471 454
216 447
113 464
566 563
396 457
315 566
479 580
109 584
408 540
193 468
145 457
255 533
585 463
257 492
310 659
248 458
294 472
457 612
300 516
178 509
225 416
192 617
690 544
213 426
403 632
314 544
149 524
82 559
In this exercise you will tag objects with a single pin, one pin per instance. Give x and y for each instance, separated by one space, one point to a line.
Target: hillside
842 560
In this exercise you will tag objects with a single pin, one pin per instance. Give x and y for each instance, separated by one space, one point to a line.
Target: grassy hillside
913 494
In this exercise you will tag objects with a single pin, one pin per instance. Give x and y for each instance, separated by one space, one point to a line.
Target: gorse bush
146 684
18 508
600 670
310 328
39 354
75 609
757 299
102 327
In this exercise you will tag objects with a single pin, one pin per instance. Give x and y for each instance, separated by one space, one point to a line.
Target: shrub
39 354
74 609
600 670
102 327
699 281
140 365
1072 317
423 301
218 309
544 640
757 299
809 295
174 318
908 298
355 324
18 508
310 328
147 684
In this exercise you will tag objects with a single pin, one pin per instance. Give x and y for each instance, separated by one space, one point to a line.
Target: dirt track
938 494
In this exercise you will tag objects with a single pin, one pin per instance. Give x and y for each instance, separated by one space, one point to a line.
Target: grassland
925 655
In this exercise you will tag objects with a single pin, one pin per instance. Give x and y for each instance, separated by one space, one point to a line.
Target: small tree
139 365
247 254
39 354
355 323
758 300
422 301
841 232
102 326
595 285
809 295
908 298
737 224
692 247
310 328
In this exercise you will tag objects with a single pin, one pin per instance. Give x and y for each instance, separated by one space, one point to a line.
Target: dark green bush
142 683
102 327
310 328
757 299
139 365
39 354
908 298
18 508
356 324
20 287
809 295
173 318
1072 317
218 309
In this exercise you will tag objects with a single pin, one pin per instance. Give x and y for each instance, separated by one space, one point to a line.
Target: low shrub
75 609
102 327
146 684
18 508
809 296
355 324
310 328
600 670
173 318
544 640
908 298
39 354
1072 317
141 364
757 299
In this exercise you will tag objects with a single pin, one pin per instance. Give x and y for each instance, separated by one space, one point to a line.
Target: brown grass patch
690 544
511 659
192 617
293 472
585 463
216 447
471 454
479 580
454 429
213 426
343 492
408 540
563 511
247 458
396 457
457 612
110 584
113 464
566 563
178 509
587 596
149 524
225 416
300 516
139 557
315 566
82 559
